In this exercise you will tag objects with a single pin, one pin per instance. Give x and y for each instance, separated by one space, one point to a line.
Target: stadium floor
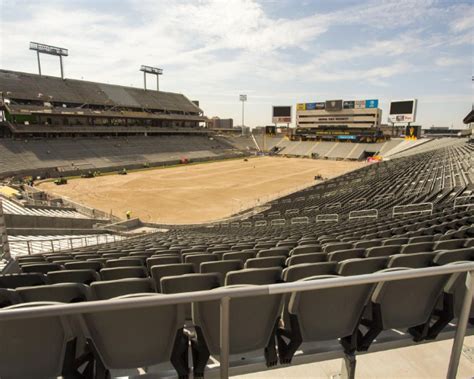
423 361
199 193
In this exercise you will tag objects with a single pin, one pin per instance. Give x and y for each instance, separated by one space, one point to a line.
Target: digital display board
281 114
402 111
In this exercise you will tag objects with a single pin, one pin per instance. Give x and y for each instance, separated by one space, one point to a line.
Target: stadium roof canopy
469 118
25 86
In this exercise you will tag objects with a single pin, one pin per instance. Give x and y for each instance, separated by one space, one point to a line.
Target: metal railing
60 244
224 295
412 209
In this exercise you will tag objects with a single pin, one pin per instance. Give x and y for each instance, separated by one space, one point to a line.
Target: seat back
450 256
361 266
221 267
254 276
103 290
330 313
306 258
190 282
42 268
340 255
124 262
164 260
243 256
34 347
86 265
115 273
382 251
22 280
73 276
132 338
415 260
263 262
197 259
245 335
409 302
60 293
306 249
158 272
418 247
306 270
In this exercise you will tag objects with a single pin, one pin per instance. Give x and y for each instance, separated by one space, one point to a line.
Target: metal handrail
225 294
29 243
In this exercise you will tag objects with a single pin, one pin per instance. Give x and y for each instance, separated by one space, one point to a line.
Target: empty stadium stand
383 254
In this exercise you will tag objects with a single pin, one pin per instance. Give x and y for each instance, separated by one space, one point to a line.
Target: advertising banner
348 104
320 105
310 106
359 104
301 107
374 103
333 105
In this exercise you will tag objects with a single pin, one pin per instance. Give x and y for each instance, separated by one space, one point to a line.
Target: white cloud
449 61
216 48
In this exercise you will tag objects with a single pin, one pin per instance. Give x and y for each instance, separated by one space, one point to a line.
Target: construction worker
129 215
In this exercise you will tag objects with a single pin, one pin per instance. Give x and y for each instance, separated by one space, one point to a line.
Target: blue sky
277 52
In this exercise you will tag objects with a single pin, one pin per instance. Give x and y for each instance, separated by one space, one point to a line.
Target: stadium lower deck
382 253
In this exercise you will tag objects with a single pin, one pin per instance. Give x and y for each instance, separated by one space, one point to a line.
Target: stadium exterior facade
48 106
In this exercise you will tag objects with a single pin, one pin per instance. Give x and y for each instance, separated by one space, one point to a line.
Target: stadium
137 241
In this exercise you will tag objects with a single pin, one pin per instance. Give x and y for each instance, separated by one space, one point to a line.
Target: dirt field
198 193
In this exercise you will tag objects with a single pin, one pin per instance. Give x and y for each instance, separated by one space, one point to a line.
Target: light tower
51 50
154 71
243 99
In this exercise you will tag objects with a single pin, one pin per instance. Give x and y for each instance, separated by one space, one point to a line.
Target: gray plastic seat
402 304
197 259
8 297
306 270
278 261
22 280
272 253
419 247
138 337
158 272
73 276
31 259
255 276
86 265
23 352
382 251
61 293
125 262
322 315
306 258
340 255
113 273
163 260
103 290
368 243
450 256
306 249
420 239
335 246
415 260
221 267
358 266
252 320
243 256
395 241
449 244
42 268
190 282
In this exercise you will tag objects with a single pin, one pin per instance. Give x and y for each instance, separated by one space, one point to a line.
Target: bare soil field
198 193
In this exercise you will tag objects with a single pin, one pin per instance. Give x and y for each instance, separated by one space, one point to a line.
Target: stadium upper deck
45 105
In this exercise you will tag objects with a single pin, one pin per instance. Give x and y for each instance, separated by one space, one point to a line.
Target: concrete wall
26 221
